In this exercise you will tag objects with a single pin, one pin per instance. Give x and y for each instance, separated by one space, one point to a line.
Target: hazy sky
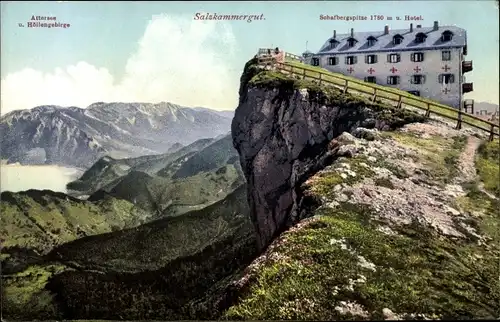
155 51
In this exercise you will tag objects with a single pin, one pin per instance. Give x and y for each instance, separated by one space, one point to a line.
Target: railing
293 56
399 98
268 62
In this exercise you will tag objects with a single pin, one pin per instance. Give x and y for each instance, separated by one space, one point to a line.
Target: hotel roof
384 41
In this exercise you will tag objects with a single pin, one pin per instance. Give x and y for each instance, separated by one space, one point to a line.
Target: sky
156 51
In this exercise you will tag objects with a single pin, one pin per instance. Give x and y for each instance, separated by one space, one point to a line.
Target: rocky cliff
401 224
282 129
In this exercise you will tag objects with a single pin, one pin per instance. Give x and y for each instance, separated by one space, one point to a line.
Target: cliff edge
282 129
400 224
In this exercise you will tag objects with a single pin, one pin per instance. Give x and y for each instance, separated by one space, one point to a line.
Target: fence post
399 101
345 86
320 78
492 132
428 112
459 121
303 73
374 97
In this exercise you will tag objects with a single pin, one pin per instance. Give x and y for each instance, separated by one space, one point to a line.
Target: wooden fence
399 99
292 56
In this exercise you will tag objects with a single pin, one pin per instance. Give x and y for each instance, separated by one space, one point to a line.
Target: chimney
419 26
436 26
352 32
334 34
386 30
411 27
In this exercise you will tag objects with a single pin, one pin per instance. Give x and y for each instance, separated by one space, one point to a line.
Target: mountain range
77 137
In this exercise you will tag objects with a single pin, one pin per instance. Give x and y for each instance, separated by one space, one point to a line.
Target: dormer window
446 36
371 41
351 42
398 39
333 43
420 37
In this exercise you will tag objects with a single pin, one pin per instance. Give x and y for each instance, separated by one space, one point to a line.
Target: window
417 57
371 41
351 60
446 78
333 43
392 80
315 61
417 79
371 79
370 59
446 55
393 58
420 37
446 36
351 42
333 60
398 39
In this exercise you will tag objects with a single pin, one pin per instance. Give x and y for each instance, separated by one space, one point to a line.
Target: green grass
41 220
415 272
324 184
326 95
439 154
154 244
488 165
384 92
25 296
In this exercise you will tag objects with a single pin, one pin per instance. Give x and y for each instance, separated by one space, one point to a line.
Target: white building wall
432 66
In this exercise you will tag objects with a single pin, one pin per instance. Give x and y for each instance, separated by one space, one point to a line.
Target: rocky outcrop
404 231
282 129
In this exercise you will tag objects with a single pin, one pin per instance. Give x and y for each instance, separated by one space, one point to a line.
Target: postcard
249 160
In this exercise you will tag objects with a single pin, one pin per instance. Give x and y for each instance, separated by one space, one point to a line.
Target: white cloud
177 60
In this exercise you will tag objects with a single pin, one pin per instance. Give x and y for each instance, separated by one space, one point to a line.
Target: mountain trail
466 161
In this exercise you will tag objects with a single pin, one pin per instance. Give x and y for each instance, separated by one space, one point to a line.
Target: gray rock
282 137
367 134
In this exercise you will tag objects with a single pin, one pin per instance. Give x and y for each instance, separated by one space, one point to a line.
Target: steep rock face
281 129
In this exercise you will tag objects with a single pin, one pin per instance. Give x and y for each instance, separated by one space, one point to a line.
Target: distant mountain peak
78 137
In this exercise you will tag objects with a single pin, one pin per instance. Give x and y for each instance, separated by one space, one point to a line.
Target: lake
16 177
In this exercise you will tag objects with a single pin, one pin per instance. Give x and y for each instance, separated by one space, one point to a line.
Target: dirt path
467 165
466 162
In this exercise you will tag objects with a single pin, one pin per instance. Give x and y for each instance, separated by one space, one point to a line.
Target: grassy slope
24 293
189 182
39 220
170 184
209 159
391 92
31 225
416 271
151 245
487 164
330 95
136 267
106 171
